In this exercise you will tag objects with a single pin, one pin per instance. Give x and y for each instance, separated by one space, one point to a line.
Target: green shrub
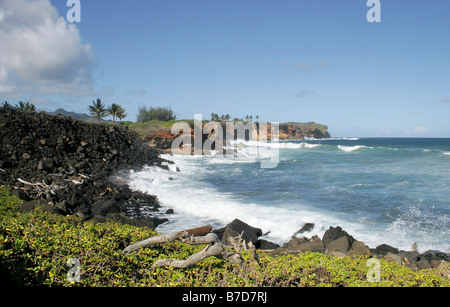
155 113
36 248
8 203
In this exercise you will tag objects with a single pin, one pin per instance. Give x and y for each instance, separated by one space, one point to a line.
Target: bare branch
214 248
153 240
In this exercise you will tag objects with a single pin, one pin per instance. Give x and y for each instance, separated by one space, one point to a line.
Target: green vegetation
36 249
26 107
21 106
150 127
116 111
98 109
155 113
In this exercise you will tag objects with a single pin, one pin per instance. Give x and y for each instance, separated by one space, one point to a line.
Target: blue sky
287 60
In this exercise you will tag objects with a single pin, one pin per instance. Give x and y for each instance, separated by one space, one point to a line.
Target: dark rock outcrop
66 165
238 227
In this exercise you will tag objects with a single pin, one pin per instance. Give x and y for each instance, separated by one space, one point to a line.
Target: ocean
394 191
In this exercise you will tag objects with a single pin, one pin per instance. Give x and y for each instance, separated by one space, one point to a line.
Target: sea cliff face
301 131
163 138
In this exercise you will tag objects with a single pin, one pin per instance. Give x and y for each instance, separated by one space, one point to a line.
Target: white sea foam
333 139
351 148
196 203
280 145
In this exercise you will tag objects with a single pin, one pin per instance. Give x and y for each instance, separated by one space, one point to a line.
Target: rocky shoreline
336 242
72 167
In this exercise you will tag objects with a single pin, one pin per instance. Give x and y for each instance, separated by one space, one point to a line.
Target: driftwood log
214 248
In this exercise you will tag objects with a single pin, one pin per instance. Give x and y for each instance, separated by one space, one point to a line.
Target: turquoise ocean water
380 190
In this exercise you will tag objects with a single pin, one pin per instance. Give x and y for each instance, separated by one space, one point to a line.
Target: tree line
226 117
21 106
99 110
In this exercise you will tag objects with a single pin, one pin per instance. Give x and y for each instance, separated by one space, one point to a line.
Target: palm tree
97 109
26 107
121 113
114 110
215 117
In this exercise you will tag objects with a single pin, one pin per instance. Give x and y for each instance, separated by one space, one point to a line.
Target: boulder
358 248
227 235
394 258
435 255
315 245
340 245
238 227
408 256
306 228
422 263
384 249
294 244
199 231
77 202
103 207
266 245
444 269
334 233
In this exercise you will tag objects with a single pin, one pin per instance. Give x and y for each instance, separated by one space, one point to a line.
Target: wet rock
334 233
238 227
306 228
384 249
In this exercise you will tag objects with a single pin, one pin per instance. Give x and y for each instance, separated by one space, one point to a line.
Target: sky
284 60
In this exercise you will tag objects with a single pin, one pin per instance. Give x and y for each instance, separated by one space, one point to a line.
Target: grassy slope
36 247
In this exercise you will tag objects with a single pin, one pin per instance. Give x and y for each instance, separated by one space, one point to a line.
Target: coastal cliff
69 167
162 138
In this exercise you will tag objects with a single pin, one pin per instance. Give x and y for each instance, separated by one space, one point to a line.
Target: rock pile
68 166
336 242
339 243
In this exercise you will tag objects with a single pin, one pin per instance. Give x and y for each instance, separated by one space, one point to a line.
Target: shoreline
74 168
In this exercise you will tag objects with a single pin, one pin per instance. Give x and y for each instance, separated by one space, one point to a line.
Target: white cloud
445 99
420 130
40 51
